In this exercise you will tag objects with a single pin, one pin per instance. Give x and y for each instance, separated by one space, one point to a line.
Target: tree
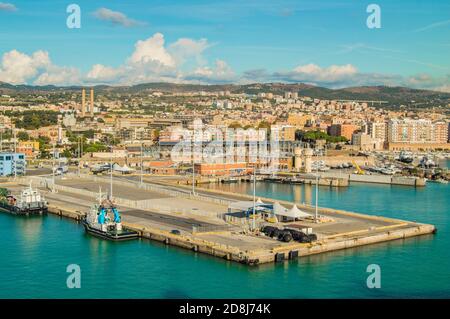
235 125
23 136
67 153
264 125
311 136
35 119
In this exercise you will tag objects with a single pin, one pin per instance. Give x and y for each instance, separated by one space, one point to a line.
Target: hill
395 96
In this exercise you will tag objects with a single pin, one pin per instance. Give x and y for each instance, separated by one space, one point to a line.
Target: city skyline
326 44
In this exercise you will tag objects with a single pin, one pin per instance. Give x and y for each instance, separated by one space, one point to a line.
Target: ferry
295 180
104 221
30 202
273 179
230 180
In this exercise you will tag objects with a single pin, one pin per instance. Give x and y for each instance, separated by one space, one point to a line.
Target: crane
358 168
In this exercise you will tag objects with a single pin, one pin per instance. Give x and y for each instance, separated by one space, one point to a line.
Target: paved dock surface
170 207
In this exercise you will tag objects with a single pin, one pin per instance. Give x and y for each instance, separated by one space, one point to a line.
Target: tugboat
31 202
103 220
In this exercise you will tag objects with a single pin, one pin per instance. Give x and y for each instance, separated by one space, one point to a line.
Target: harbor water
36 252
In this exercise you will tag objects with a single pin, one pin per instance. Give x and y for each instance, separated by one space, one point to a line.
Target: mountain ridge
396 95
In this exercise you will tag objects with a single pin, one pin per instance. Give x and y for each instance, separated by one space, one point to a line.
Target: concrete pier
154 210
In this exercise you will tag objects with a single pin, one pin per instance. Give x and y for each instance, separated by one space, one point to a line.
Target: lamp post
254 197
53 168
79 155
142 165
193 176
316 215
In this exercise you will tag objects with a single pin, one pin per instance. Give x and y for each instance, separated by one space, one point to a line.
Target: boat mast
254 197
111 177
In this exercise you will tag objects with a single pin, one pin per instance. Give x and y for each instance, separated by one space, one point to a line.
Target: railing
207 229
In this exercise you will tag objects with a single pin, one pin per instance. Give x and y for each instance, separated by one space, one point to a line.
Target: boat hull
109 235
14 210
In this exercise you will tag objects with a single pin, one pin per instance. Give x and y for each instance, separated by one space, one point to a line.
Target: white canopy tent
293 213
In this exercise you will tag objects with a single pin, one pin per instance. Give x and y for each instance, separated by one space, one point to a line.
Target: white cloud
152 60
221 72
7 7
186 48
433 25
182 61
116 18
340 76
334 76
152 51
37 68
102 73
18 68
59 75
313 72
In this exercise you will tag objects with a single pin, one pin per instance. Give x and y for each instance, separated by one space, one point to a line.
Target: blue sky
319 42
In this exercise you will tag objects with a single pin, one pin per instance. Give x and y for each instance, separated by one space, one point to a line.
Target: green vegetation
235 125
94 147
264 125
318 135
23 136
3 192
31 120
44 144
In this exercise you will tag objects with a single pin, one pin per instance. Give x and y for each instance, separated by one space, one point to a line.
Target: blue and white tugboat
103 220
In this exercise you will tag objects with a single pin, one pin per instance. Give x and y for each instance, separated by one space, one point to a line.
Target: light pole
111 177
316 216
254 197
193 176
79 155
53 168
15 141
142 165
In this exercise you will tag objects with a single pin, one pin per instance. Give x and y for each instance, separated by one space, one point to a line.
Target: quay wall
195 243
192 243
378 179
261 256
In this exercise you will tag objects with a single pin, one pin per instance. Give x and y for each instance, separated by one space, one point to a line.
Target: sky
325 43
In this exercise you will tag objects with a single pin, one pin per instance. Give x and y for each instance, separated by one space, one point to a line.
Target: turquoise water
36 251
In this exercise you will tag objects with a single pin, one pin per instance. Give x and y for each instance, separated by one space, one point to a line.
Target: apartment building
12 164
